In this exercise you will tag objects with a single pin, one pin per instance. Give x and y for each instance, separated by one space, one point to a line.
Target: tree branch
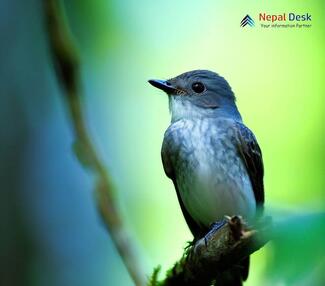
66 62
218 251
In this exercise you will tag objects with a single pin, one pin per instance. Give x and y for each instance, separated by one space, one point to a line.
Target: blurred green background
50 230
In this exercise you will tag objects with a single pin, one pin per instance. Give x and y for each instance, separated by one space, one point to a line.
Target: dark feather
252 157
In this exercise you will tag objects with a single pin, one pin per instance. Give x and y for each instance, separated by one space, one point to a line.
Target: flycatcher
212 158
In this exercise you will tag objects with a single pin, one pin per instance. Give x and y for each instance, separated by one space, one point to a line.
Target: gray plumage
212 158
202 157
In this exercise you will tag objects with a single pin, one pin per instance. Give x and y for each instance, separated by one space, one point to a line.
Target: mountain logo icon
247 20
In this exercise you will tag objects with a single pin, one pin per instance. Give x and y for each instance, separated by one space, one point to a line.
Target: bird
212 158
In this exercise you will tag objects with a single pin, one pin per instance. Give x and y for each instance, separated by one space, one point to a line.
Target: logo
278 20
247 20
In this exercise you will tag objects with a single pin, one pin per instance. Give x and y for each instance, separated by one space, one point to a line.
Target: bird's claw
214 227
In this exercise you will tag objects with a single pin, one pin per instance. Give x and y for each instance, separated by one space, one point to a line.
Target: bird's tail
234 276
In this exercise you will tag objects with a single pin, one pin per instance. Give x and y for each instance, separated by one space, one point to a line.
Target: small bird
212 158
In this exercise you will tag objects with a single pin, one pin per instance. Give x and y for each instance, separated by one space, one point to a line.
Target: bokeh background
50 233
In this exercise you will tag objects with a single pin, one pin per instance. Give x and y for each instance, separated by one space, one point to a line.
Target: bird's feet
214 227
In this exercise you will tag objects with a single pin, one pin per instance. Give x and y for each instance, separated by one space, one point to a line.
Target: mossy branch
217 252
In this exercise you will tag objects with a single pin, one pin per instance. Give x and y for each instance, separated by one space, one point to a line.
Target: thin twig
66 62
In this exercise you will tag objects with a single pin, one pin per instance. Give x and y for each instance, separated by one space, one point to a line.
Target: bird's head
198 94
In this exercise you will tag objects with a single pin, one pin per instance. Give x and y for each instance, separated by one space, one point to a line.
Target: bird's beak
163 85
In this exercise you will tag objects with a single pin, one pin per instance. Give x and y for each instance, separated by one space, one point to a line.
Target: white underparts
213 182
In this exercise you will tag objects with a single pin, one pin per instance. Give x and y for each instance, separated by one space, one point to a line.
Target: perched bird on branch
212 158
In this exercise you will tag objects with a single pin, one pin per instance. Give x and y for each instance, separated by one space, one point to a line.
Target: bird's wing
166 153
252 157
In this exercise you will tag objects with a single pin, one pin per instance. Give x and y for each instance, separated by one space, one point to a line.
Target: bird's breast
211 177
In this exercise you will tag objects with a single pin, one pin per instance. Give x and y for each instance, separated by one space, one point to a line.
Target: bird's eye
198 87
